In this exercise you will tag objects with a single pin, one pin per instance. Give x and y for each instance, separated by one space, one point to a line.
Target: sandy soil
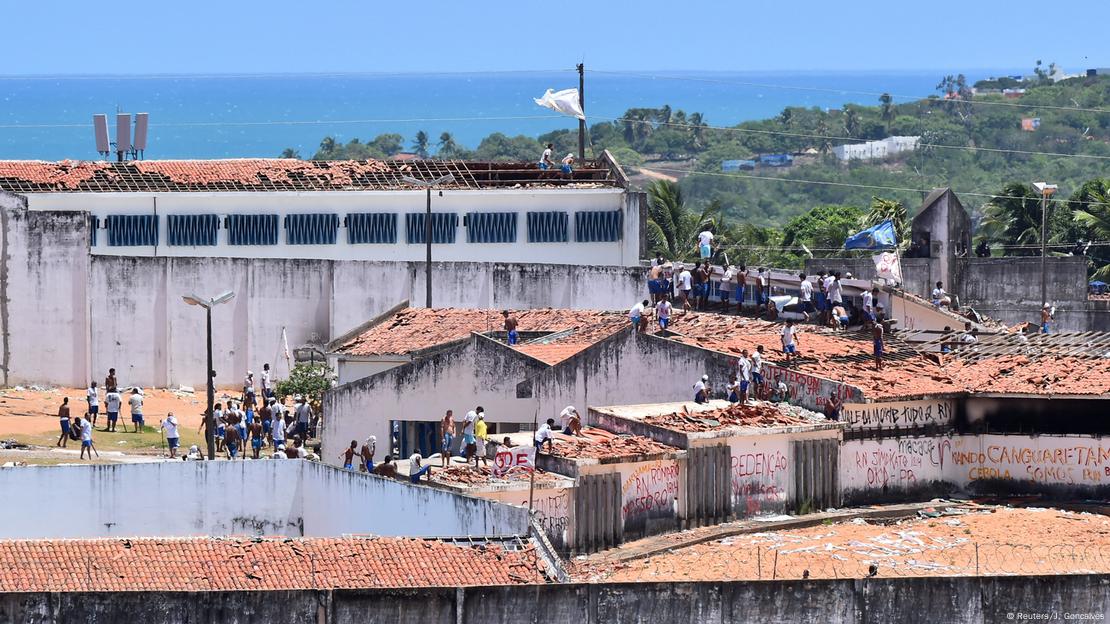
978 540
29 412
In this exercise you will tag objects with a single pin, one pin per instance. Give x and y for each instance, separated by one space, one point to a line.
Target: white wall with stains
263 497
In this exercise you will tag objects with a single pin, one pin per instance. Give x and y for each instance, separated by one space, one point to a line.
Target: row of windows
199 230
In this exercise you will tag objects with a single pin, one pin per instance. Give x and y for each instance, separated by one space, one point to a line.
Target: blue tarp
879 236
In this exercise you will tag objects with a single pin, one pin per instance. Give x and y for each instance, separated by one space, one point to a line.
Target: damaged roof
285 174
241 564
597 443
411 330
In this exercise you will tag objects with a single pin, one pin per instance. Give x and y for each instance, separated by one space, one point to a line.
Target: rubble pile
598 443
737 415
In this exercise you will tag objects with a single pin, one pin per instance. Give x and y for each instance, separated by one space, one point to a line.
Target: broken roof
411 330
202 564
285 174
601 444
753 415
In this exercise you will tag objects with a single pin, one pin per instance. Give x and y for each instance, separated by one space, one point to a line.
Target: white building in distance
872 150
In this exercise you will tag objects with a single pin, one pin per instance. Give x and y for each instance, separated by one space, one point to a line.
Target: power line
911 98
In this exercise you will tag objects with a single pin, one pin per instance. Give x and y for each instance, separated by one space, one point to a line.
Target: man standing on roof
655 279
877 337
757 372
700 281
636 315
705 243
744 367
741 288
685 285
367 454
805 295
545 159
1046 318
470 443
481 434
510 327
701 390
761 294
790 341
836 293
663 312
726 287
447 425
869 306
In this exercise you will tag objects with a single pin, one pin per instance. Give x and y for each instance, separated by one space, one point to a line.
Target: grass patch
147 441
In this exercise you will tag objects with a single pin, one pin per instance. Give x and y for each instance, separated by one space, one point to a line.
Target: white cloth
565 102
566 414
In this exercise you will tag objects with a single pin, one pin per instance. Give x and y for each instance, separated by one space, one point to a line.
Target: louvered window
311 229
547 227
132 230
490 227
597 226
192 230
444 225
94 223
252 229
371 227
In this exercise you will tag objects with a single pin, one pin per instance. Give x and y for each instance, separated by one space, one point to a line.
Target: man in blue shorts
112 402
545 159
93 399
86 438
510 327
136 404
877 336
757 372
447 426
169 425
790 341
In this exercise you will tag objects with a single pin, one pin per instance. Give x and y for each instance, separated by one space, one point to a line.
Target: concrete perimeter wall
67 316
957 600
264 497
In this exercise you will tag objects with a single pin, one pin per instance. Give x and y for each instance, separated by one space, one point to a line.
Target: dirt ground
971 540
30 416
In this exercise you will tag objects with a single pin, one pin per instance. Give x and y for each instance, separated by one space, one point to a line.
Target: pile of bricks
752 415
598 444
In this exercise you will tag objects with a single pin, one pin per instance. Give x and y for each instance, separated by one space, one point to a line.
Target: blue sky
279 36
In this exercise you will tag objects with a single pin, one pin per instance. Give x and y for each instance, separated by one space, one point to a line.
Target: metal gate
708 485
816 475
596 515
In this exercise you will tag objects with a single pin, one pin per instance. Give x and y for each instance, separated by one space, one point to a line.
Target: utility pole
582 105
1046 190
428 184
208 304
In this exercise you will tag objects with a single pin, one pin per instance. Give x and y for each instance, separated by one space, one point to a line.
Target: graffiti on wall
809 391
897 463
760 475
1066 461
649 491
899 414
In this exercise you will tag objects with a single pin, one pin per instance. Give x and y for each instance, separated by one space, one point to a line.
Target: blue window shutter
371 227
192 230
94 223
444 227
490 227
547 227
311 229
598 226
132 230
252 229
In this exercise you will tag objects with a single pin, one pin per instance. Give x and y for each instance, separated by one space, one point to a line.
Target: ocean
231 116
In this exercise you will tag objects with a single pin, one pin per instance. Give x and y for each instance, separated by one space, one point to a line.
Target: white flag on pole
887 266
565 102
285 347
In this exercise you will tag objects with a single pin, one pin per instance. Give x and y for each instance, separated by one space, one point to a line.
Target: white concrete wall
265 497
624 369
621 253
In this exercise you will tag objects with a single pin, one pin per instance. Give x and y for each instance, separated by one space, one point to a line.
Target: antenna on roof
123 145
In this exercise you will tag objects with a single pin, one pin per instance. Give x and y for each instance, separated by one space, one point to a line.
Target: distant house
728 166
776 160
1030 124
871 150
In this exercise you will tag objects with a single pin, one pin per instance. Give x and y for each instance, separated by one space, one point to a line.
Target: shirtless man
877 336
448 428
655 280
256 434
510 327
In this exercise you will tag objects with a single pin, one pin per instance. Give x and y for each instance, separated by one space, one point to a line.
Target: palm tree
824 144
289 152
887 113
697 124
1013 218
851 121
1095 217
327 146
895 211
672 228
420 144
447 146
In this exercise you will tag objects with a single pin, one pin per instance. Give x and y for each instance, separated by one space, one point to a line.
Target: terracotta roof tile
416 329
197 564
598 444
751 415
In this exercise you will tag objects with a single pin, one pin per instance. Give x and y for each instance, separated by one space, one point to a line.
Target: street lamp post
428 185
1046 190
208 304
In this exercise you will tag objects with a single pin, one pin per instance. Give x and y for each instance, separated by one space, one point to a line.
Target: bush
309 380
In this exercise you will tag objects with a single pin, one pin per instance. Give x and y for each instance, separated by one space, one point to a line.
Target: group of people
691 287
262 421
566 165
81 427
